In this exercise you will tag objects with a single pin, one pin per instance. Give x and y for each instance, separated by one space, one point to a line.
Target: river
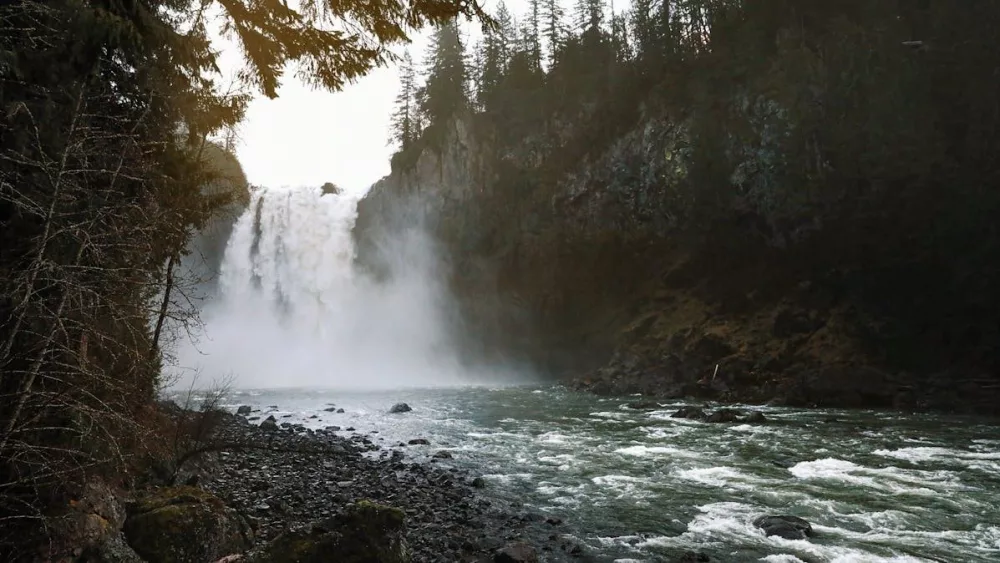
295 311
640 485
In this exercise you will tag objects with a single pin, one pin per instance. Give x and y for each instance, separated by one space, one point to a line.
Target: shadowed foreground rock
364 533
185 525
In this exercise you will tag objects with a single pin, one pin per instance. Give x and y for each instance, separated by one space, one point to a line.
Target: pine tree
507 32
589 14
403 127
553 28
534 31
494 54
643 27
445 90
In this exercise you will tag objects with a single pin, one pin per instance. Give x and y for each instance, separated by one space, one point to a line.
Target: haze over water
293 310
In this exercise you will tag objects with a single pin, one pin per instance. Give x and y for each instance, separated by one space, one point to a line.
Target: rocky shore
270 491
299 476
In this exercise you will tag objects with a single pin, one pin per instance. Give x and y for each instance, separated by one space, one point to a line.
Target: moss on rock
185 525
365 532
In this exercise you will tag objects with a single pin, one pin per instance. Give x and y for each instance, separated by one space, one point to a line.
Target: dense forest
109 162
842 146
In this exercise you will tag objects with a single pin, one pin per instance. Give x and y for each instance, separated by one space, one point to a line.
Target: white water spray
294 312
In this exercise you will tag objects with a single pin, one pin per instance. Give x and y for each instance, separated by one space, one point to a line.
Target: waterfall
293 311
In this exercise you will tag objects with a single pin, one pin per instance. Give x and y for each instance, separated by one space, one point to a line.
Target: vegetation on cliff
737 155
106 169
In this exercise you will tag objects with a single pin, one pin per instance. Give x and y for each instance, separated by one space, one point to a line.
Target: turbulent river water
640 485
295 312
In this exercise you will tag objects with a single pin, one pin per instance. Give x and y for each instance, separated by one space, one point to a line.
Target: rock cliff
574 262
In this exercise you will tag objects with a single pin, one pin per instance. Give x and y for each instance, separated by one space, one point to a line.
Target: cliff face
581 270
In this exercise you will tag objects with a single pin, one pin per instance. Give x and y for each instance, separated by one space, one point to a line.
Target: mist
293 309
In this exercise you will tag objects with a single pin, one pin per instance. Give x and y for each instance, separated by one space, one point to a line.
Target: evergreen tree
506 32
403 127
527 44
495 57
643 27
553 28
590 15
445 90
533 28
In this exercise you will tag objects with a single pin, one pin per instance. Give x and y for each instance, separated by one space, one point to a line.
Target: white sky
308 137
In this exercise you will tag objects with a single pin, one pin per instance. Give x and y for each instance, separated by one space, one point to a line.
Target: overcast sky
308 137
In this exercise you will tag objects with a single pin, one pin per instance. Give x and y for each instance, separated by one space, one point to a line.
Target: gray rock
244 409
788 527
270 423
516 553
400 407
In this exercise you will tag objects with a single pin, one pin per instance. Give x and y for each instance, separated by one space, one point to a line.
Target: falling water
294 311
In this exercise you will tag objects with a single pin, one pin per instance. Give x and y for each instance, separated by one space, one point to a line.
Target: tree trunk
164 305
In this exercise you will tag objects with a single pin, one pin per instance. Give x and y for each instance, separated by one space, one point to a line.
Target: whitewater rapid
639 485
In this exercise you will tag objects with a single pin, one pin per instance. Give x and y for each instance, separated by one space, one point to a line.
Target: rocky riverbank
267 491
297 477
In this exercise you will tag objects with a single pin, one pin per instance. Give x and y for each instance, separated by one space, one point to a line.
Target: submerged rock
419 442
755 417
400 407
693 557
643 405
689 412
185 525
788 527
364 533
723 415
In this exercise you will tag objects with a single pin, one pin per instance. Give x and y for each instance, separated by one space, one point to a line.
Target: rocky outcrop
185 525
90 527
575 266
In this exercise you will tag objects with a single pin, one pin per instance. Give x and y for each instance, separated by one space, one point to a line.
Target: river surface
637 485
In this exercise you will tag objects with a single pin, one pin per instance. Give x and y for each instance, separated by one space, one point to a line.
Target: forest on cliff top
847 143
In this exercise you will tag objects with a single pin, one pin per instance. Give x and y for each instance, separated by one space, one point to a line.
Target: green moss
366 532
184 525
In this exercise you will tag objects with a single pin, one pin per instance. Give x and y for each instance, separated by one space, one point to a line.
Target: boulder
113 550
364 532
185 525
419 442
91 519
755 417
400 407
270 423
689 412
479 483
788 527
442 454
244 409
516 553
723 415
